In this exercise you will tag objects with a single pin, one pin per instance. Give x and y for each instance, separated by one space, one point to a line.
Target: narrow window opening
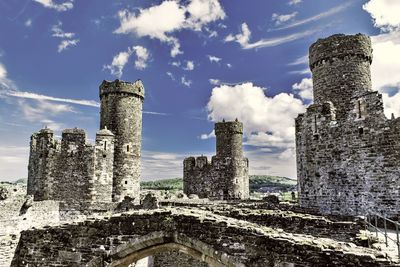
359 109
105 145
104 155
127 148
315 123
126 182
237 181
360 131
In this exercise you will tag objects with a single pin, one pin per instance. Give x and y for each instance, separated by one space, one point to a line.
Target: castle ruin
226 176
71 169
348 152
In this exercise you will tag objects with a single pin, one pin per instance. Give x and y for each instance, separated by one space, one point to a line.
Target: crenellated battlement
118 87
340 47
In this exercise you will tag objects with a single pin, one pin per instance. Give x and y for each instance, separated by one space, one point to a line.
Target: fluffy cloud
279 19
189 65
268 121
304 88
118 63
142 56
67 37
147 22
385 13
208 136
121 59
243 38
59 7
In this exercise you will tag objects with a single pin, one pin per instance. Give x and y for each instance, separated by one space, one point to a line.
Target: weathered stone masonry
226 176
348 152
71 169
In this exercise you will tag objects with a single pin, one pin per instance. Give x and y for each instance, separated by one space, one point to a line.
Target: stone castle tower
71 169
226 176
121 112
348 152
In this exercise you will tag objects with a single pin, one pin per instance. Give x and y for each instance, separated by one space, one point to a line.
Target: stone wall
124 239
71 169
175 259
348 153
226 176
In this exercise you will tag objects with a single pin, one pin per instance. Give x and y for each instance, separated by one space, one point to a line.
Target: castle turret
226 176
340 66
121 113
229 139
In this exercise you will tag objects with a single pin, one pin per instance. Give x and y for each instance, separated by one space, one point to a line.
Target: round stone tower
121 113
340 66
229 137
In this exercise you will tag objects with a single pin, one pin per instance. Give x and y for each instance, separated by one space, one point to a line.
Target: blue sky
200 61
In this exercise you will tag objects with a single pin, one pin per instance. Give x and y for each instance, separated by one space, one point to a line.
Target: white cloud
59 33
319 16
171 75
176 63
28 23
118 63
3 72
176 17
121 59
59 7
66 43
29 95
304 88
214 58
243 38
214 81
299 61
67 37
229 65
189 65
203 12
185 81
268 121
208 136
142 56
279 19
385 13
294 2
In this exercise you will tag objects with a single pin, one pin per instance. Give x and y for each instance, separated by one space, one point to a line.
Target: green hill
256 182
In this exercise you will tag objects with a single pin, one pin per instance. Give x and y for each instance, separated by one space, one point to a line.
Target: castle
348 152
226 176
71 169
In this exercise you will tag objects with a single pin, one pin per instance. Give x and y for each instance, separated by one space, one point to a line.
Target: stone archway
162 242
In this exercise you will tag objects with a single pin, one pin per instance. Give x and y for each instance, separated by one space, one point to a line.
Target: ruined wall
44 154
348 153
226 176
121 112
71 169
229 241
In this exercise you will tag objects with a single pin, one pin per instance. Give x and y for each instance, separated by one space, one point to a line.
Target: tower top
340 46
133 88
228 127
